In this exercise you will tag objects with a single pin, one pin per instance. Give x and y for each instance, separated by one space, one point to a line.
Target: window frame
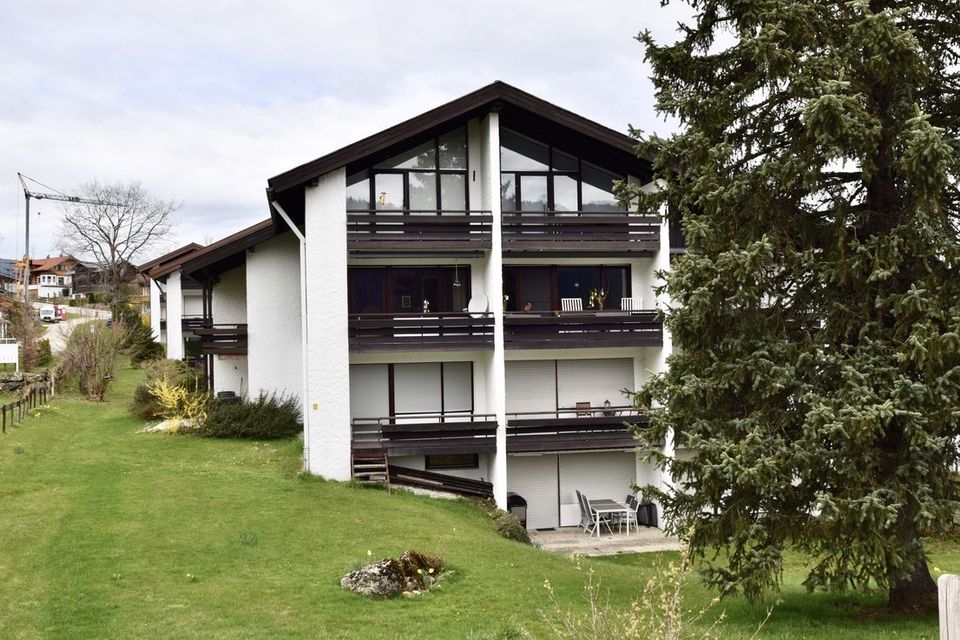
428 466
370 174
550 172
511 272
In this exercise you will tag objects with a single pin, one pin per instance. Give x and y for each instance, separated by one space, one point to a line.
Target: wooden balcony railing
579 233
192 323
223 339
578 329
572 429
417 231
420 331
427 433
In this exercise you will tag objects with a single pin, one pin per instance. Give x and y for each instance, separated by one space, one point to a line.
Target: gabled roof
46 264
167 257
229 252
523 109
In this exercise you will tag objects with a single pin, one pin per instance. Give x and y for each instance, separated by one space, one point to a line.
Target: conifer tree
816 312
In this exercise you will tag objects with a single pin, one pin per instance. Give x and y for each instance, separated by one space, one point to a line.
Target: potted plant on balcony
597 299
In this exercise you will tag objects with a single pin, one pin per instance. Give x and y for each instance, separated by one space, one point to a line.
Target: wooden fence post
948 588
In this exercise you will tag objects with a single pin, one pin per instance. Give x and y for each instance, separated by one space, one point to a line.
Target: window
452 461
429 178
404 289
542 288
537 177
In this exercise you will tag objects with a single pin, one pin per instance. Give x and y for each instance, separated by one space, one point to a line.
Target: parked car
48 313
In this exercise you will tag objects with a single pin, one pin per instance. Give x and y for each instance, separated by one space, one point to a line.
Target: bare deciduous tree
117 232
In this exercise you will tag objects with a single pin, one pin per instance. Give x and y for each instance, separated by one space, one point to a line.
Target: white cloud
203 101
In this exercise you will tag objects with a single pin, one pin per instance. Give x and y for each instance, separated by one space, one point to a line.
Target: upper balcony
454 331
579 233
582 329
418 231
223 339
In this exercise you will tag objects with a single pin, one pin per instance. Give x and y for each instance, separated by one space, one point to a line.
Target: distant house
8 275
52 277
90 277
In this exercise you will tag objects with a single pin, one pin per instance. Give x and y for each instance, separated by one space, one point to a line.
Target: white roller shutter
369 392
457 386
531 386
535 479
417 388
596 475
593 381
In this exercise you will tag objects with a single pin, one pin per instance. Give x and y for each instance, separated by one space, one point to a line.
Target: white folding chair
631 304
571 304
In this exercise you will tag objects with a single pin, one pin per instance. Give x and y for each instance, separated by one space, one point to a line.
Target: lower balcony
192 323
455 331
426 434
573 430
582 329
223 339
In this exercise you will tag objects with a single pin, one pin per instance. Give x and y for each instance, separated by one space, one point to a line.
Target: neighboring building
8 275
452 312
90 277
52 277
175 302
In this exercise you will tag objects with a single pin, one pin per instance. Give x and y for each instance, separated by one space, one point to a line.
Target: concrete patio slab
573 541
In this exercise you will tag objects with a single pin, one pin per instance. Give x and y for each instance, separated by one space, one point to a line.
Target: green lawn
100 527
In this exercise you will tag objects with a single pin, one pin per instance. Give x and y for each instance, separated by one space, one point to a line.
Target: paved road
57 333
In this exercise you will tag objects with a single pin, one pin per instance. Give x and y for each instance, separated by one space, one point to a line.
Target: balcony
572 430
582 329
427 434
412 232
579 233
455 331
223 339
192 323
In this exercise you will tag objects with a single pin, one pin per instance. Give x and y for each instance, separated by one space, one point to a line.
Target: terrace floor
573 541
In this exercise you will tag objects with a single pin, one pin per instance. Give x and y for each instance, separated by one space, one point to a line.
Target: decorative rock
15 381
410 575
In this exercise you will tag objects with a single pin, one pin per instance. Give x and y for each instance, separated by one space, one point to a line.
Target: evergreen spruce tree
816 312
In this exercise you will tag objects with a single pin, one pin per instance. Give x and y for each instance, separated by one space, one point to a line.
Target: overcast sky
202 101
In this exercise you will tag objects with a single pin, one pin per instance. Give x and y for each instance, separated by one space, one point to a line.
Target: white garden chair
631 304
571 304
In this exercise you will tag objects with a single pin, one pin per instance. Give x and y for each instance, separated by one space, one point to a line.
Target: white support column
174 317
493 279
328 416
662 263
156 310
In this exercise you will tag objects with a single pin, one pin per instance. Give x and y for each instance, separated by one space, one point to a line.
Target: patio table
607 506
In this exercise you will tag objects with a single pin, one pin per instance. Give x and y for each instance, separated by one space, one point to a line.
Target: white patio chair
631 517
571 304
595 518
631 304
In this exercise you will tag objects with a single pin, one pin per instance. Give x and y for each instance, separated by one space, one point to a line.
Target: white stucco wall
273 317
229 307
156 310
327 423
492 280
174 314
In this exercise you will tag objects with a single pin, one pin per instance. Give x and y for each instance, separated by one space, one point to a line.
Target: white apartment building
474 303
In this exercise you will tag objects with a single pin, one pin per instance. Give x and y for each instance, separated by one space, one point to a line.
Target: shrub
44 355
145 405
269 416
23 327
90 355
140 344
509 527
178 403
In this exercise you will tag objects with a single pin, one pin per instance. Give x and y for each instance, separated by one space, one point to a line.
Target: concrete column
493 281
156 311
174 317
327 423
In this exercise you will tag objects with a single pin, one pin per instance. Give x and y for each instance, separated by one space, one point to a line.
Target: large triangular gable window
430 178
538 177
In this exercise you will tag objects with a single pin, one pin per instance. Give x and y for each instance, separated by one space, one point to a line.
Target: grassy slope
100 525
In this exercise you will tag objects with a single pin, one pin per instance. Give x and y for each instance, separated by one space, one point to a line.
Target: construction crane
24 267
